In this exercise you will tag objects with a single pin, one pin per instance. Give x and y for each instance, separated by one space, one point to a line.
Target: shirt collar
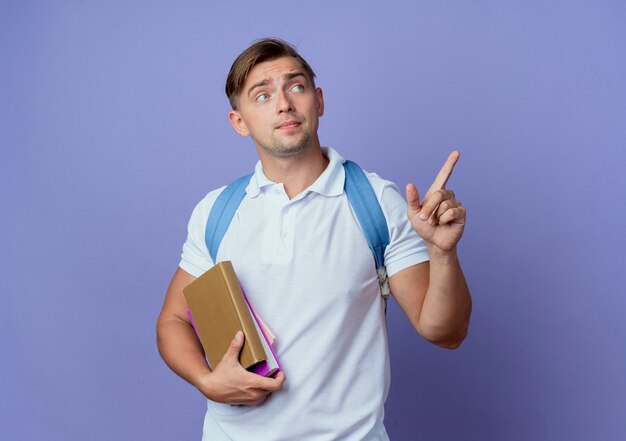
329 183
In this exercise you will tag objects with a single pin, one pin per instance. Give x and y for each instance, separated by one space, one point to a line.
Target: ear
320 101
238 123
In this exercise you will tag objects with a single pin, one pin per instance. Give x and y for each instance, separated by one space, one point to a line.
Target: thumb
413 199
235 347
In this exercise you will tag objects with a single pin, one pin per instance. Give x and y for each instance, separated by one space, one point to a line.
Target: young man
303 260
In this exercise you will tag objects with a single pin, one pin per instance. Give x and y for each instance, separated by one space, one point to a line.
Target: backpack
360 195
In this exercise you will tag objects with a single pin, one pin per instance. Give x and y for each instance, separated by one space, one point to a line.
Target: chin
283 151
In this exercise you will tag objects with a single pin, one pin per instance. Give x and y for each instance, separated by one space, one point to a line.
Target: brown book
219 309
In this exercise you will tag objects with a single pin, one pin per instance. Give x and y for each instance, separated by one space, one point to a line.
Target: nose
283 103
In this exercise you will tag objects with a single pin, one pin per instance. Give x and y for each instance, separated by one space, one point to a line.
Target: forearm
228 383
445 313
181 350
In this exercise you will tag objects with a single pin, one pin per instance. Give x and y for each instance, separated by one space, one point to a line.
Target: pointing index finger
445 172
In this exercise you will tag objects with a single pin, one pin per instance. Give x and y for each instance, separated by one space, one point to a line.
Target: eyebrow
288 77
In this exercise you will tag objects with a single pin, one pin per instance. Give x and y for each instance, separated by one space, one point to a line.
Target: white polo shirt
305 265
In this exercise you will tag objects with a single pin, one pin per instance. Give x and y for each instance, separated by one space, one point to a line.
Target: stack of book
218 308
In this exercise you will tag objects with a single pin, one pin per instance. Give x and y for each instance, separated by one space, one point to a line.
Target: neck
295 173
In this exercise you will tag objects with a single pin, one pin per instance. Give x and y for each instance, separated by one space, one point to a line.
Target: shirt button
284 234
277 191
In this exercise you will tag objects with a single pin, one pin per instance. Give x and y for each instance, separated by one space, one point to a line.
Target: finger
413 198
445 172
280 380
445 206
252 398
234 348
260 400
453 215
433 202
269 384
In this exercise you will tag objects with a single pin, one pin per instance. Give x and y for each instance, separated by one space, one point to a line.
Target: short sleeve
195 258
406 248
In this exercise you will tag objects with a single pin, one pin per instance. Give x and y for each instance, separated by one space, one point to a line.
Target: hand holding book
242 367
230 383
218 308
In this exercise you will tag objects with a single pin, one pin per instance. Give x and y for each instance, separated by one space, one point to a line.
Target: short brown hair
266 49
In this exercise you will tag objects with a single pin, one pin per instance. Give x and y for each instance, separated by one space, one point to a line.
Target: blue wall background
113 125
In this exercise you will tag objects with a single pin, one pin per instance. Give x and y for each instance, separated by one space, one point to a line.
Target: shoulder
202 209
387 192
389 198
406 248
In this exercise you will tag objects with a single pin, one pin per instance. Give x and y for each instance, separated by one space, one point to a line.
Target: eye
262 97
298 88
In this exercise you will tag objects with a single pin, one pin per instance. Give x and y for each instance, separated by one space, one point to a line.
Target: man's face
279 108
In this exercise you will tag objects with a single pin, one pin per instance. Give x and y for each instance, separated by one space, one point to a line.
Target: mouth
288 125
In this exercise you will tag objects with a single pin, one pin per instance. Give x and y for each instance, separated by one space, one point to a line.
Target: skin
289 154
280 109
434 295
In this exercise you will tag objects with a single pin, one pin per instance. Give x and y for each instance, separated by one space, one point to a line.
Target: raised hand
440 219
231 383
